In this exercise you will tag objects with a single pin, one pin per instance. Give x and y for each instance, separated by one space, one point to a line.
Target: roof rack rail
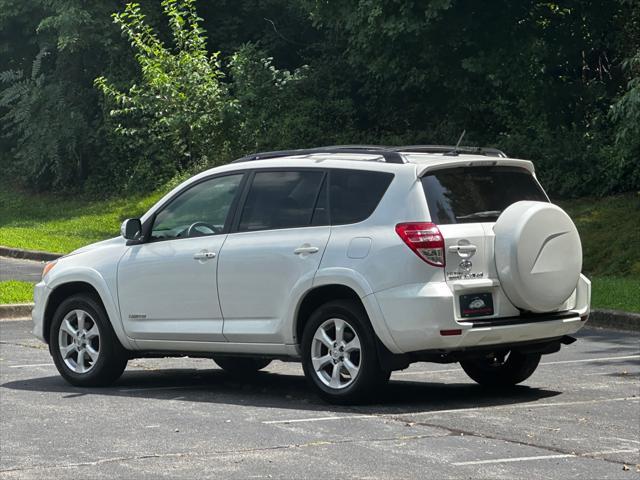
389 155
451 149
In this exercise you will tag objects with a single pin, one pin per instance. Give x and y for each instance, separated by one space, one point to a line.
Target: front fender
96 280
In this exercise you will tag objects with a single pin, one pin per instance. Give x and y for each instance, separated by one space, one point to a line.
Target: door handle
464 251
204 255
306 249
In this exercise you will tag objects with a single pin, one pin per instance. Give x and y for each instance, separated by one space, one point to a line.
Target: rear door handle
306 249
204 255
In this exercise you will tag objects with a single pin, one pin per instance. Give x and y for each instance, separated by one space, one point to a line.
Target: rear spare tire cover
538 255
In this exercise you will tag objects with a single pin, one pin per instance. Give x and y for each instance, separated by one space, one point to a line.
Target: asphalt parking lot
577 417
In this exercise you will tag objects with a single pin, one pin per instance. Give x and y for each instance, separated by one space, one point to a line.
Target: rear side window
477 194
281 199
355 194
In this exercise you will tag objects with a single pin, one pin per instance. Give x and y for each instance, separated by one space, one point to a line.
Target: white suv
356 261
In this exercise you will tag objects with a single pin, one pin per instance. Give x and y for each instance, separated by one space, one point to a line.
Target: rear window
477 194
355 194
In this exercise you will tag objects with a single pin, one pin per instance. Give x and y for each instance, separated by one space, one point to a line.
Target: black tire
492 371
241 366
370 376
112 358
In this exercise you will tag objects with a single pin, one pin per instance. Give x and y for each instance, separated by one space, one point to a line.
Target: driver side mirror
131 229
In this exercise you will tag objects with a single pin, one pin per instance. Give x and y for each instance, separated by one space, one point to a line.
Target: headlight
48 266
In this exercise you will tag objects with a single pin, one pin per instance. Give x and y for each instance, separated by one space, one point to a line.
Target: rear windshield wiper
483 214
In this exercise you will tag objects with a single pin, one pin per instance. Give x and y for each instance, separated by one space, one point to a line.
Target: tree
51 118
181 104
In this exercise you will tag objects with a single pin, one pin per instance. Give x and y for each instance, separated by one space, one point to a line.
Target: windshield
477 194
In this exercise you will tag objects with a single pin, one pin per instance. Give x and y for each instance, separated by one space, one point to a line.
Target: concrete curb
28 254
16 311
615 319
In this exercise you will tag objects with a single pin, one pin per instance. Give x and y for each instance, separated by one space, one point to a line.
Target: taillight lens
425 240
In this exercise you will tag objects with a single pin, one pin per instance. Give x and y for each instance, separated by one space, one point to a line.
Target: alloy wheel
336 354
79 341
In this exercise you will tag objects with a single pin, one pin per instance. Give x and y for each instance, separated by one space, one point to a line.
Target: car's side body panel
166 294
260 275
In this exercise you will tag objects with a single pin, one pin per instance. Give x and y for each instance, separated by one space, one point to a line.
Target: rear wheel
502 369
340 358
83 345
241 365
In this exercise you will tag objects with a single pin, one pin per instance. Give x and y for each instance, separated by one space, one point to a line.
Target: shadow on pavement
287 391
626 343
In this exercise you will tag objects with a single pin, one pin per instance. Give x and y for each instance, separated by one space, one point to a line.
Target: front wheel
502 369
339 354
83 345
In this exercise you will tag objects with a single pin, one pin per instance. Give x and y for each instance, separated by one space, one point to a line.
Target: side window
281 199
201 210
355 194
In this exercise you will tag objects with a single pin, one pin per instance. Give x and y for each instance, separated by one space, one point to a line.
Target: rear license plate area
476 305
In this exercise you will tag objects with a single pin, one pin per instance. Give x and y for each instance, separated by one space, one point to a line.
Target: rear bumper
417 316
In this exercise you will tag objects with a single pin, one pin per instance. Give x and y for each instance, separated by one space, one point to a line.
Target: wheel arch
58 295
323 292
316 297
91 283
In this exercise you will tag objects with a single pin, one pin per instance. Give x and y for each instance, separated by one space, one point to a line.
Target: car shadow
624 343
290 391
284 391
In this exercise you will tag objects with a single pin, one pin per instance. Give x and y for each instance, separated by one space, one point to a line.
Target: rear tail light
425 240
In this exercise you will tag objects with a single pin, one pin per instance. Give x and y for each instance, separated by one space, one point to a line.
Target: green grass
16 292
62 223
616 293
610 231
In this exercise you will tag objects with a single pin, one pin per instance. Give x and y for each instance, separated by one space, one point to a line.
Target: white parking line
543 457
622 439
515 459
33 365
602 359
456 410
559 362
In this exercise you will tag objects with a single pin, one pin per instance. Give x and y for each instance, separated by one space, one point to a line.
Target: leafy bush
190 111
179 112
624 161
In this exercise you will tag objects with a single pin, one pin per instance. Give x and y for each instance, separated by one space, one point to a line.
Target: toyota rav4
354 260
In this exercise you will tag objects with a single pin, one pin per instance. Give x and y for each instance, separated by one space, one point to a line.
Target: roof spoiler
479 162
